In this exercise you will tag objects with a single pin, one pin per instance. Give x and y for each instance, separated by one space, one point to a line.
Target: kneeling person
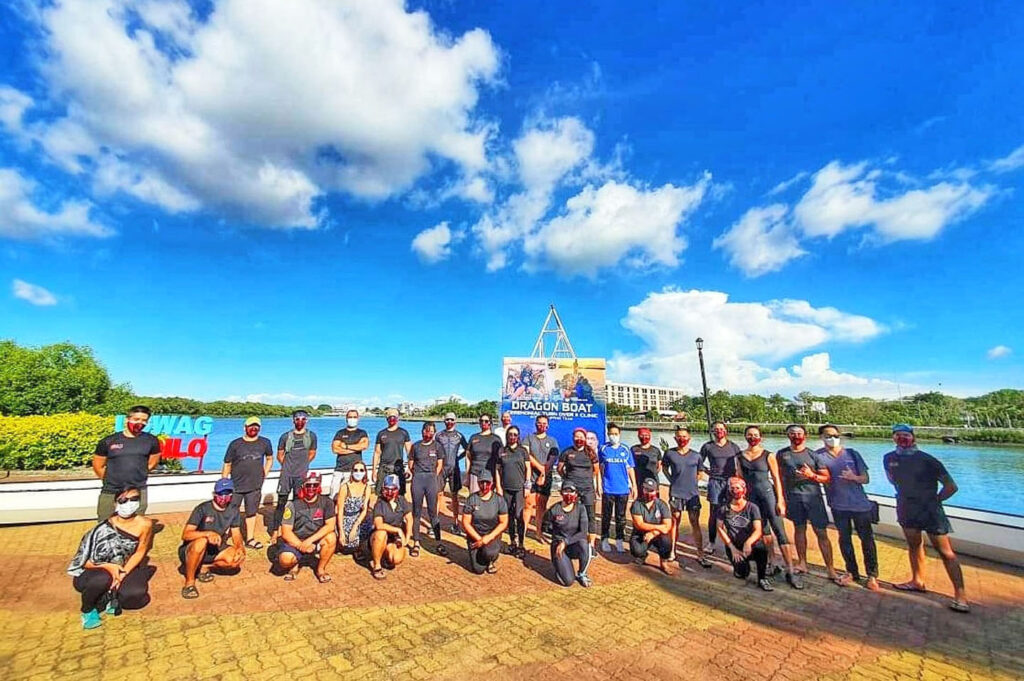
740 529
204 542
392 528
484 518
569 537
652 526
308 530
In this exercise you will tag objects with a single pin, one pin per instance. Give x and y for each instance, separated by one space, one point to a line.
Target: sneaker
766 585
91 619
584 581
709 550
794 581
605 546
619 547
457 530
704 562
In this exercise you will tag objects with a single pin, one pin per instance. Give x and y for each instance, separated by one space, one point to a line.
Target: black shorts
251 501
717 489
453 478
679 504
545 489
801 510
926 516
208 556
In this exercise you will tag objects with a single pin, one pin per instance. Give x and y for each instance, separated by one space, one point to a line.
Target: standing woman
484 518
513 473
756 464
353 504
426 459
106 566
569 528
579 464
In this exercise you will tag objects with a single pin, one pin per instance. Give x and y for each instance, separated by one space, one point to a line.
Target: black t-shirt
544 449
513 467
484 514
392 516
483 450
207 518
739 525
296 459
720 459
578 467
567 526
655 515
247 460
452 441
392 445
127 460
348 438
646 462
681 470
424 457
916 475
794 485
307 518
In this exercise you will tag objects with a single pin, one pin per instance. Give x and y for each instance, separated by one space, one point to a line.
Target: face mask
351 422
569 498
512 439
753 440
252 431
486 487
649 496
579 442
309 492
614 439
358 475
832 441
797 438
645 438
135 428
682 441
389 493
428 438
720 434
222 500
542 427
738 493
299 424
126 509
392 420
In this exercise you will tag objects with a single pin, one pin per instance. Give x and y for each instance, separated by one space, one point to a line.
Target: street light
704 382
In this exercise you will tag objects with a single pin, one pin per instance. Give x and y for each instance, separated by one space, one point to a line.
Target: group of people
366 510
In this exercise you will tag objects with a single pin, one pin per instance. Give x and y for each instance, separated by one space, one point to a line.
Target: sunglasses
485 420
124 499
449 420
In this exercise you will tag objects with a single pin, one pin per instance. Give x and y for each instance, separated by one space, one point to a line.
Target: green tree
51 379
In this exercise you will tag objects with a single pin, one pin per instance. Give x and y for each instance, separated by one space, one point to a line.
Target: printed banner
570 392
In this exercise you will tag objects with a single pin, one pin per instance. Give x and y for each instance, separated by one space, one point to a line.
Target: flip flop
291 575
414 551
492 568
254 545
205 577
323 578
378 573
959 606
909 586
842 580
191 592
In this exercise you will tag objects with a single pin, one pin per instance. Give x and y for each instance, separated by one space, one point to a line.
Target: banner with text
570 392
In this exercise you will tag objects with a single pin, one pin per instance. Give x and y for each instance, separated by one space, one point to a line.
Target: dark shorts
251 501
801 510
716 488
679 504
545 489
287 484
284 547
208 556
926 516
451 477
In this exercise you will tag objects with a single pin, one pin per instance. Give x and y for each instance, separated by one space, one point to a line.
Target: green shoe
91 619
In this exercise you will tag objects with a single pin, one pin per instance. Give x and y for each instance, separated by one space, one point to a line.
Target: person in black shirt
652 526
426 459
646 456
454 444
308 530
916 476
389 452
348 445
739 527
295 450
247 462
580 465
718 457
482 453
545 450
484 518
124 460
569 528
513 473
204 542
392 528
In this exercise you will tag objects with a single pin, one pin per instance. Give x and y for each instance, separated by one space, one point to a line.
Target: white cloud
786 184
20 218
433 244
1012 161
744 344
762 241
546 153
999 352
37 295
342 401
262 107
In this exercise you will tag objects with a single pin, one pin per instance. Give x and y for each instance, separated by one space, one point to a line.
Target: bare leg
193 559
250 528
915 548
800 539
378 542
327 547
542 507
288 561
674 535
949 560
698 536
825 546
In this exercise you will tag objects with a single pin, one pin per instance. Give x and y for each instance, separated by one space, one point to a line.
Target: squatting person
392 527
739 527
484 518
212 538
307 530
569 542
652 526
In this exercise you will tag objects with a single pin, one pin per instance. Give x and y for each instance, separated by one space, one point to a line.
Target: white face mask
352 422
358 475
832 441
127 509
614 439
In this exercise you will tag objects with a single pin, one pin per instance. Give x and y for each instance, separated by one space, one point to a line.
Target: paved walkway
433 619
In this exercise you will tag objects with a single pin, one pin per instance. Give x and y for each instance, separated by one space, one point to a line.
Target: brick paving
433 619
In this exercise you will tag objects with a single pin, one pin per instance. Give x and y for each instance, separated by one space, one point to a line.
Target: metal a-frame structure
561 348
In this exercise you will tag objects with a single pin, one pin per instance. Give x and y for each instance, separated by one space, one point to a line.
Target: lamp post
704 382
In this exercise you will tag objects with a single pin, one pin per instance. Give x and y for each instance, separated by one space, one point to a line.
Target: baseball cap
650 485
312 476
390 411
903 428
485 476
253 421
391 481
300 413
223 485
568 486
449 415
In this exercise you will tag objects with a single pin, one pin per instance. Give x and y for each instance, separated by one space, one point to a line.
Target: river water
990 478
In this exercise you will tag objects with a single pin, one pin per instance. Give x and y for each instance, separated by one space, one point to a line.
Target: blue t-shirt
615 465
844 495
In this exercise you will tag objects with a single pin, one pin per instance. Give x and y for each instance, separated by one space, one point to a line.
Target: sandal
190 592
765 585
910 586
960 606
414 551
205 577
492 568
704 562
378 573
442 550
291 575
323 578
842 580
254 545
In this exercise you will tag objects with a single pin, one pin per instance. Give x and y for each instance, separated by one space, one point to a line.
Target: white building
642 397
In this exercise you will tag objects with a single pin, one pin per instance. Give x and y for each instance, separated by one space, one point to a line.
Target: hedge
50 442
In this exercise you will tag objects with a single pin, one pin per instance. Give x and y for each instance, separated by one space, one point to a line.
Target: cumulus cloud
1012 161
843 198
21 218
36 295
259 108
999 351
433 245
745 345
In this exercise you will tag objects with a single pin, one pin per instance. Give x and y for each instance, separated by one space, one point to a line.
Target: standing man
482 453
718 458
847 475
389 452
544 451
205 540
802 475
647 457
454 445
348 445
916 475
295 449
681 466
506 421
616 485
247 462
123 460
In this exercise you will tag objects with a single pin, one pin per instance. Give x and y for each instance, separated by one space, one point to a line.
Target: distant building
643 397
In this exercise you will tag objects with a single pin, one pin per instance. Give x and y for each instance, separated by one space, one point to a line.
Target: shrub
50 442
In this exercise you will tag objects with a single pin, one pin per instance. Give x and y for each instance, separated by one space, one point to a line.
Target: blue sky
365 202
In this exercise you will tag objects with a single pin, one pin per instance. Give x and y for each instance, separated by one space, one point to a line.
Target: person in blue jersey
616 485
922 483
